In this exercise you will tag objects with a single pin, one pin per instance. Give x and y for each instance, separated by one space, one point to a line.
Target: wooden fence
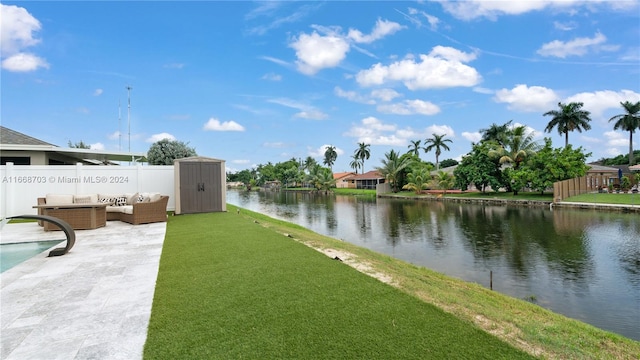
576 186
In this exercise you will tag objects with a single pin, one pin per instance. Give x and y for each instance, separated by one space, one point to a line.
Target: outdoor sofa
138 208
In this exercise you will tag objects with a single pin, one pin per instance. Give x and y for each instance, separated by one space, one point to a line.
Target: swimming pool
15 253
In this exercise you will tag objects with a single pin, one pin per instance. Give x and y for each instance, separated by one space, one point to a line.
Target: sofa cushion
59 199
154 197
128 209
85 199
125 209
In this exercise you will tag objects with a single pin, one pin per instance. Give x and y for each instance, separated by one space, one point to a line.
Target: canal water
584 264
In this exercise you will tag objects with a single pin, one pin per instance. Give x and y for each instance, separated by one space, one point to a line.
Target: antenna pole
129 113
119 127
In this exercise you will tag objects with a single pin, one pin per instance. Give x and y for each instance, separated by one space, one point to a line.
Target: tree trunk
631 159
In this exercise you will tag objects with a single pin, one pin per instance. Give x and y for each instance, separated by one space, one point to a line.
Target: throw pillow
132 198
120 201
140 198
106 200
82 199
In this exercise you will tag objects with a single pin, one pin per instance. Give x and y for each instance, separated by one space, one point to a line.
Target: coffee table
79 216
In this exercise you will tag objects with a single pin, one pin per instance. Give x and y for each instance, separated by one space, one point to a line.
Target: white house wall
22 185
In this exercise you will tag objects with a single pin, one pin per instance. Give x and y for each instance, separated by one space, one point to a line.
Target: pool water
15 253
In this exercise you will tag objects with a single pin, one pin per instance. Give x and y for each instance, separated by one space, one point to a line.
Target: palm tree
437 142
330 156
391 167
418 179
445 180
519 145
355 163
628 122
362 152
568 118
414 148
497 133
309 163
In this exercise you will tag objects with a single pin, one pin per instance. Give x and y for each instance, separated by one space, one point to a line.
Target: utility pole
129 113
119 127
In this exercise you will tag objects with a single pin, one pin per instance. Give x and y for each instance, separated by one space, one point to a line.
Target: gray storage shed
201 185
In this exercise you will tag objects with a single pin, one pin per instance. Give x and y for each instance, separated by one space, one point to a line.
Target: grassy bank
605 198
229 288
233 286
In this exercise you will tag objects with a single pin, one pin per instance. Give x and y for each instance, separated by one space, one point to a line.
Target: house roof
8 136
601 168
11 140
342 175
369 175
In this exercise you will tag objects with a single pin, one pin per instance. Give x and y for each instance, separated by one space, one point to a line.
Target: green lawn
487 195
605 198
230 288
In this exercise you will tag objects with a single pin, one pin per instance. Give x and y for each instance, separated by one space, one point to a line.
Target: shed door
211 193
189 181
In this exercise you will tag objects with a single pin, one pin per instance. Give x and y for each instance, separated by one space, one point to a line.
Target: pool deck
92 303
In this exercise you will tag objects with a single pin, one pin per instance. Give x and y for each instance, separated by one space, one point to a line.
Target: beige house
342 179
368 180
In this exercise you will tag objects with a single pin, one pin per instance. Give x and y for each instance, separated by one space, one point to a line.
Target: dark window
16 160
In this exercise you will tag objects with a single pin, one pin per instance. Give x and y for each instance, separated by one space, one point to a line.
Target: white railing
22 185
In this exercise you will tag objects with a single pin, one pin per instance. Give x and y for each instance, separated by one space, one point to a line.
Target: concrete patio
92 303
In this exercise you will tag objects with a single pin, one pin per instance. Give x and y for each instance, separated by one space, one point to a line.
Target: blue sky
253 82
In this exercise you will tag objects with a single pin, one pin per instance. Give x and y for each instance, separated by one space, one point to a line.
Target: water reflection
584 264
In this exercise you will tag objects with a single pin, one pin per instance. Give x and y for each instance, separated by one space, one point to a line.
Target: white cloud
590 139
381 29
311 115
316 52
272 77
97 92
215 125
97 146
440 130
598 102
442 68
482 90
157 137
472 9
276 61
432 20
474 137
373 131
617 139
525 98
240 161
449 53
17 30
352 96
306 111
565 26
114 136
410 107
385 94
576 47
24 62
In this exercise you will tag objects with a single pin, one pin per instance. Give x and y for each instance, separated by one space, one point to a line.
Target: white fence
22 185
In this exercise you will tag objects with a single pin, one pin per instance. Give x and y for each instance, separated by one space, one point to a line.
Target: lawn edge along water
519 323
229 287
